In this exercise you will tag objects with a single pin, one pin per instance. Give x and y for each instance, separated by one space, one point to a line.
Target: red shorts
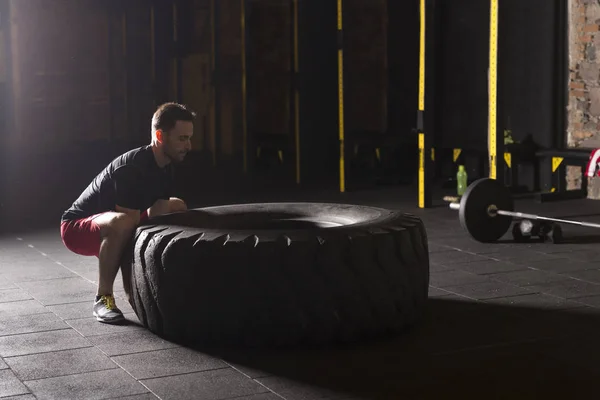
82 236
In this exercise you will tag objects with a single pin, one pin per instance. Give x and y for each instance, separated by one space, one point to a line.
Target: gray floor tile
90 386
260 396
522 256
586 255
38 270
154 364
590 275
31 343
61 291
25 307
593 301
57 363
10 385
454 278
77 310
489 267
490 290
562 265
10 295
22 257
91 327
528 277
435 267
6 283
83 309
249 371
435 292
207 385
438 248
568 289
3 365
293 390
20 397
132 341
535 301
145 396
454 257
470 245
30 323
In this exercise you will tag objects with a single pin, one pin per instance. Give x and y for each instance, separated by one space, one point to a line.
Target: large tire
279 274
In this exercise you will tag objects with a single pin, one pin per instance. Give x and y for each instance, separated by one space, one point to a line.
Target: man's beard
174 157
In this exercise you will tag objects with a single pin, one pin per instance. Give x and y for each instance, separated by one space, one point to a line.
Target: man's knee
177 205
117 224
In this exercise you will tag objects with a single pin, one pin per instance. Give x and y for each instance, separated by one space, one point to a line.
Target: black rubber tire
273 275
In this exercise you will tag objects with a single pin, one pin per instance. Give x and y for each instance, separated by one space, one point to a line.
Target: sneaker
105 309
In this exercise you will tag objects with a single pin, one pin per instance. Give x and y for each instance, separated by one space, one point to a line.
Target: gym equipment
524 230
486 211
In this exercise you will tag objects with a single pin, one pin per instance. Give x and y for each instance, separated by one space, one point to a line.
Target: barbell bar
520 215
486 210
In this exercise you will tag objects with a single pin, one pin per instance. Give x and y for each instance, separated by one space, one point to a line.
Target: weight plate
475 204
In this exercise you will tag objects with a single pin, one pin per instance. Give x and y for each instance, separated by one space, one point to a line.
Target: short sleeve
127 181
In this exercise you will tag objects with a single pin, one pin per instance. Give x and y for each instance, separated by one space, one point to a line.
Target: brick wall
584 84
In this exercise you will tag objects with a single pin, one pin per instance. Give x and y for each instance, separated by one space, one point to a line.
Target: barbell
486 212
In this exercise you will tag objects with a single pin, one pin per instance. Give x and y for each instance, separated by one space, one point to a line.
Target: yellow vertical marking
422 59
422 104
422 170
493 80
341 99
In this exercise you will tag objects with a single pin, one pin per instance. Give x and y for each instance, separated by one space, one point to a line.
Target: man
135 186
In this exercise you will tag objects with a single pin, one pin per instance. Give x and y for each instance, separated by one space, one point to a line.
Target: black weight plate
474 205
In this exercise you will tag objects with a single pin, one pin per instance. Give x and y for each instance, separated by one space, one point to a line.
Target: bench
559 159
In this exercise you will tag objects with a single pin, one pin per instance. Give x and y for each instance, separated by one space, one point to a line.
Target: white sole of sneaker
109 320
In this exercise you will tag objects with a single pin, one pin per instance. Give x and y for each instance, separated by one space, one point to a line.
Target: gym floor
505 320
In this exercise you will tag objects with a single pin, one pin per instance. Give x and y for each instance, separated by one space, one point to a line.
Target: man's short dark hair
167 115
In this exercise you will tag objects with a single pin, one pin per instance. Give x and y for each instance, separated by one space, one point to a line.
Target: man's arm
127 192
160 207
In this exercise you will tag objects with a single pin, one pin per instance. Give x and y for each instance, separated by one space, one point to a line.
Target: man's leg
115 231
104 236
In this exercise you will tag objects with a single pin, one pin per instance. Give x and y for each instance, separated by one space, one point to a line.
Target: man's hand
177 205
162 207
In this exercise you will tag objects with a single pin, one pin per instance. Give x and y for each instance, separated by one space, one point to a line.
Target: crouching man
135 186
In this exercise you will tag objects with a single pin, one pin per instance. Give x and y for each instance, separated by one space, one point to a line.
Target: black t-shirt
133 180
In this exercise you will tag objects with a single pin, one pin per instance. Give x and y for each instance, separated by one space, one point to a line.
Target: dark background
82 84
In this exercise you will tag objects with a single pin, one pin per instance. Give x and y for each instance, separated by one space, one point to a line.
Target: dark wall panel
529 68
319 91
462 56
403 66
